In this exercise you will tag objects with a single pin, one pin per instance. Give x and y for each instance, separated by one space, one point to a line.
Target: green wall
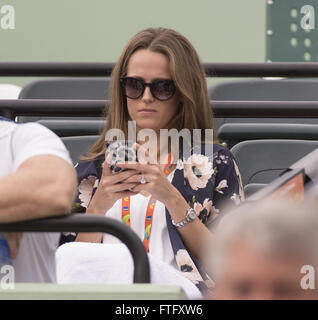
97 30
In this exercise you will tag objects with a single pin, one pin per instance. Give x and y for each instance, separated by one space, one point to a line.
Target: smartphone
121 151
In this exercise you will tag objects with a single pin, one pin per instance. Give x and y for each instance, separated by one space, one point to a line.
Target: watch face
192 214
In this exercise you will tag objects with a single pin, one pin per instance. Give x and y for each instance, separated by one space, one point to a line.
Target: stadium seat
66 128
65 88
233 133
78 145
261 161
140 289
265 90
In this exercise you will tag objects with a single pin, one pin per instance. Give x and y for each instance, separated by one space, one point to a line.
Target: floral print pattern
221 185
198 170
207 182
85 190
204 210
187 267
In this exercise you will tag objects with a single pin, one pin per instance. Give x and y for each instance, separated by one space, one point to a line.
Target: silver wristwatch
191 216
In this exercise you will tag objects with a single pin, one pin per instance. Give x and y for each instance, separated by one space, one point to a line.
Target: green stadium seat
261 161
233 133
67 128
265 90
66 89
79 145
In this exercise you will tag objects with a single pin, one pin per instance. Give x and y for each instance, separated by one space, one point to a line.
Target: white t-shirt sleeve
33 139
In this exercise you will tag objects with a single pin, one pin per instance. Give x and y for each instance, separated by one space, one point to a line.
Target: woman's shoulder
222 154
218 148
214 150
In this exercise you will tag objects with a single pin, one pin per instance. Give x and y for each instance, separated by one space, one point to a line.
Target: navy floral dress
208 182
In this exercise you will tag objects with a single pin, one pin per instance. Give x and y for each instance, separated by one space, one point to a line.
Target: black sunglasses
134 88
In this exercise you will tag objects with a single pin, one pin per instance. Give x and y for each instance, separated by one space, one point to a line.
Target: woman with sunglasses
160 83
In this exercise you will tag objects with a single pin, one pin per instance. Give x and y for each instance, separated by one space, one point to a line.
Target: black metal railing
104 69
96 108
234 109
94 223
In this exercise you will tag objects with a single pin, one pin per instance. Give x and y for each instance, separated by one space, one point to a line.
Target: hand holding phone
120 151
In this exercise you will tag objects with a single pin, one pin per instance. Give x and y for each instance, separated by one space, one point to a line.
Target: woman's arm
195 235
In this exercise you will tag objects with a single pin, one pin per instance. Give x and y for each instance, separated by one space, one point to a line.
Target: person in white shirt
37 180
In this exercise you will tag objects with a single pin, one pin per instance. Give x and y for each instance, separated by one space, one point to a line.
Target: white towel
81 262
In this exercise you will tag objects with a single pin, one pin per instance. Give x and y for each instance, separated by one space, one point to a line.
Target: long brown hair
186 71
